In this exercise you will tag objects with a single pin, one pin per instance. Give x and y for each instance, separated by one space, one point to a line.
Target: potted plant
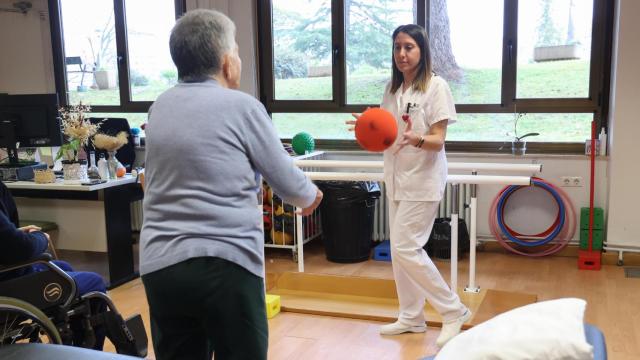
78 130
518 145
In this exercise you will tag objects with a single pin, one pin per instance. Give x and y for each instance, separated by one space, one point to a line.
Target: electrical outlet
576 181
571 181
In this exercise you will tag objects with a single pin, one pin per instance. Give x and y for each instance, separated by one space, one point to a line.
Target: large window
368 25
554 38
543 62
113 54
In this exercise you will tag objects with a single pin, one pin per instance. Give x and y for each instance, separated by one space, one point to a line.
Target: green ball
302 143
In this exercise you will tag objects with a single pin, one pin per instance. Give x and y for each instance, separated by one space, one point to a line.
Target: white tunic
415 174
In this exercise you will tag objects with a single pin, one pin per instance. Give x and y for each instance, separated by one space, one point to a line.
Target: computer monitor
31 120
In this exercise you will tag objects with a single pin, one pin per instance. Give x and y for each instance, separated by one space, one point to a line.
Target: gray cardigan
206 147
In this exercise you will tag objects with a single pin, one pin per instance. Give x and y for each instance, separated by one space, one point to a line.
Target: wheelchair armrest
61 281
42 258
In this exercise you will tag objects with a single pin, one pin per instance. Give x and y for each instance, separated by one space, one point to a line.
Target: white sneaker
400 328
452 328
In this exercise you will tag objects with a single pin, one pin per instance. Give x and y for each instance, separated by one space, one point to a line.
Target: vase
74 172
112 164
518 147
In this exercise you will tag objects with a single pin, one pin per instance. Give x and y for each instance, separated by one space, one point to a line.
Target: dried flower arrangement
78 130
110 143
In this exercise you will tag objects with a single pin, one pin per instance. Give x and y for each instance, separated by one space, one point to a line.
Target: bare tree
444 62
103 52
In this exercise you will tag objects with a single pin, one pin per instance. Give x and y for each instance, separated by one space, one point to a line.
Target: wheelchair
44 307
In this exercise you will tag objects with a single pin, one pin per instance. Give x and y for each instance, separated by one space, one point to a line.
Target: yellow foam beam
375 299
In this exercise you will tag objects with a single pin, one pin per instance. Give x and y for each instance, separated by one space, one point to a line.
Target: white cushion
546 330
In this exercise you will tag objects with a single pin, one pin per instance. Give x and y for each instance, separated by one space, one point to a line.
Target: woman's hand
408 137
352 123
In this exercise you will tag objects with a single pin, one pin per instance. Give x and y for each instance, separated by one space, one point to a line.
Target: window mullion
338 40
596 49
57 50
509 53
605 66
599 75
265 47
122 53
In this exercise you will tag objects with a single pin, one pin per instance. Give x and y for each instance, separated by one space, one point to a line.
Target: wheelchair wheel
21 322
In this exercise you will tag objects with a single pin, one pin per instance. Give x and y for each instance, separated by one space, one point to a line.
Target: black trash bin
347 211
439 244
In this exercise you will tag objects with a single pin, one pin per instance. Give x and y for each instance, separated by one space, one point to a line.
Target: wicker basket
44 176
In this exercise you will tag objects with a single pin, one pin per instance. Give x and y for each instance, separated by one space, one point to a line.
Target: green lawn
478 86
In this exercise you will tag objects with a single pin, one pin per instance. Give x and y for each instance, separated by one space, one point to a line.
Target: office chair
112 126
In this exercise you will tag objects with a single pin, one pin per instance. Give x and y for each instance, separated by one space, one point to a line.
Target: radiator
136 216
381 216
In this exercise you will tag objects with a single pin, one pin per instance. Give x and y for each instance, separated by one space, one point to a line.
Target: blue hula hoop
554 233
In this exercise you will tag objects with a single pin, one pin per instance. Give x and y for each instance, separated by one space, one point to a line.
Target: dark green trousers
207 305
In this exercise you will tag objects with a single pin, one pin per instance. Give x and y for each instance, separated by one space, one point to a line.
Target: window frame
127 105
599 78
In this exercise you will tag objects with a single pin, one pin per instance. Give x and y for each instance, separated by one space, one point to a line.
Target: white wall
26 65
242 12
624 193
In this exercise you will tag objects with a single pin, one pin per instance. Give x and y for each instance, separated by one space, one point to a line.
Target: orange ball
376 129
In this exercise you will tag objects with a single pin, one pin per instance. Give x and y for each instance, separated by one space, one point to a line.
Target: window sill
470 147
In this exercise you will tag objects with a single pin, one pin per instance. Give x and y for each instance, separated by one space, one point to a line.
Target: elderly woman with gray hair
201 244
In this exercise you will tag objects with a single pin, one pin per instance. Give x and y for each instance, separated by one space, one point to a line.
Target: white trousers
417 278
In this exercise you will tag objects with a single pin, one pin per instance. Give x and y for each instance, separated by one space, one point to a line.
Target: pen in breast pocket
405 116
411 106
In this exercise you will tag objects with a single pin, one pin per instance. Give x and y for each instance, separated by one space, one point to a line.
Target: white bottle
103 168
602 139
92 161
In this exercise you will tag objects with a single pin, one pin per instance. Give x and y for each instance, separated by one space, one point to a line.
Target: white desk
60 185
102 211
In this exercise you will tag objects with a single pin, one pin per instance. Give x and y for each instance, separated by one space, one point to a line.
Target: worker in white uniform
415 175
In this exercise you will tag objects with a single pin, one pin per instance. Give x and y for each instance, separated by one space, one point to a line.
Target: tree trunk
444 62
347 14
